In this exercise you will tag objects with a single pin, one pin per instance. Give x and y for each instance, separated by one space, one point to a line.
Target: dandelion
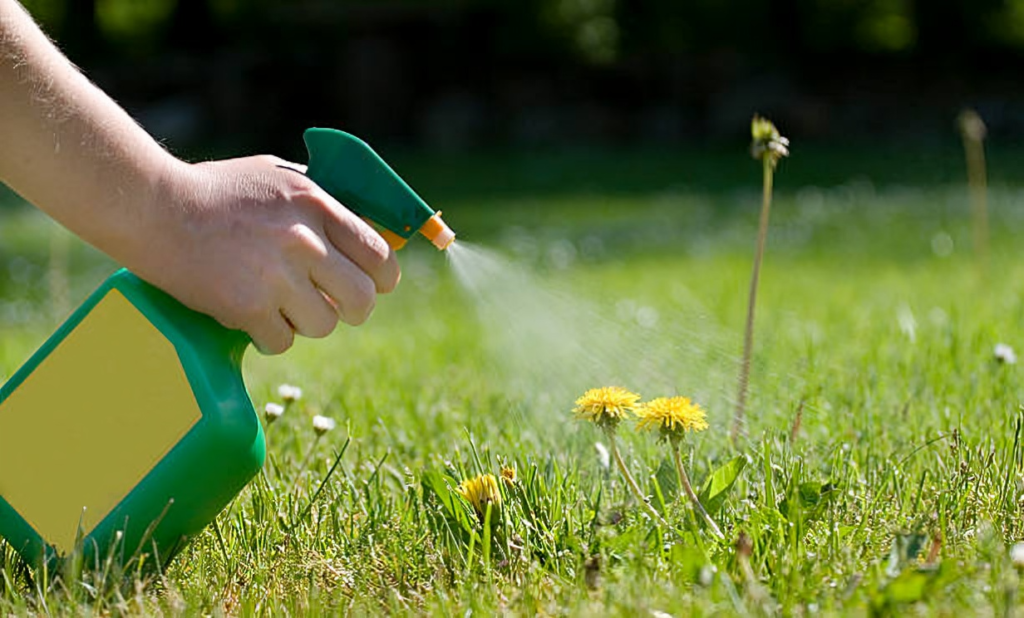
272 411
508 475
480 491
672 416
766 141
1005 354
323 424
289 393
606 406
768 146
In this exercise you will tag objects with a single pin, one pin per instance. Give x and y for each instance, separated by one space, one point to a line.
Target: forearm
251 241
68 148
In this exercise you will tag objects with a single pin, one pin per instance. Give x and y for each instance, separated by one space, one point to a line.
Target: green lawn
884 470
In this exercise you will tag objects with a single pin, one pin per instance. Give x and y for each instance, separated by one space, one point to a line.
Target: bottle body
127 431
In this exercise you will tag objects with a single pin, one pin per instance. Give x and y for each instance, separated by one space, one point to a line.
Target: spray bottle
131 427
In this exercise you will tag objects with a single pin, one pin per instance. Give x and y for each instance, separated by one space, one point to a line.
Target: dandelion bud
508 475
767 141
971 125
480 491
323 424
272 411
289 393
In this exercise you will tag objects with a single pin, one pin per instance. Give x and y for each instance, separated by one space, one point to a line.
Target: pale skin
250 241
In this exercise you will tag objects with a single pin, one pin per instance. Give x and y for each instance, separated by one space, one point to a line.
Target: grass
883 473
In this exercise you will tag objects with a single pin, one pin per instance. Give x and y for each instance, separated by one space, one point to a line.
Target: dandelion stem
632 482
738 426
309 454
973 130
684 480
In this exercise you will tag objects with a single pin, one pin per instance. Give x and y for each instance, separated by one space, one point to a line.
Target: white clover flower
1017 555
603 457
289 393
1005 354
272 412
323 424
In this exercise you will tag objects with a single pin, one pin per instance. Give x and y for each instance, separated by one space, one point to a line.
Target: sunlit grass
901 484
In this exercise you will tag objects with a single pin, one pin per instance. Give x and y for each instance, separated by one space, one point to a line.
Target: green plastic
209 466
347 168
223 451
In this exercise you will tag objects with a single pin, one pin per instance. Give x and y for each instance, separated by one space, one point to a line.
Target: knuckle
241 309
378 248
269 159
299 238
252 310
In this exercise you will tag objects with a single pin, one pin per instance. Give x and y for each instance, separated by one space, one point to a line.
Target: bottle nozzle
438 232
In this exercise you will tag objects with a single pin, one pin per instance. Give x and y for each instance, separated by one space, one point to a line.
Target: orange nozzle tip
438 232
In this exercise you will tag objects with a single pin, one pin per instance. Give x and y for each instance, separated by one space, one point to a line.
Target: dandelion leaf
808 501
439 485
718 484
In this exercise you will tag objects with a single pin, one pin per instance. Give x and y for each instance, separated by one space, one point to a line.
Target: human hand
260 247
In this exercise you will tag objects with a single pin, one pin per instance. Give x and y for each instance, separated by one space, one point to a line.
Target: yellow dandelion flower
606 406
673 416
508 474
480 491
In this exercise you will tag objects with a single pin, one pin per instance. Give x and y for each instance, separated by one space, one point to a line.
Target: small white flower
1017 555
272 412
1005 354
603 457
657 613
289 393
323 424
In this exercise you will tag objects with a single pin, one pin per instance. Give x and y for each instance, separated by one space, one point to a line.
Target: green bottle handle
352 173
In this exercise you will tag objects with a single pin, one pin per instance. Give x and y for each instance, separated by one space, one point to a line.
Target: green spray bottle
131 427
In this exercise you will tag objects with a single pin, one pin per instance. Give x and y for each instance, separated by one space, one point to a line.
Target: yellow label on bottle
97 414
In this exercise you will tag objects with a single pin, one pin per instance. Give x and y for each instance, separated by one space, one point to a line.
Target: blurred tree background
469 74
